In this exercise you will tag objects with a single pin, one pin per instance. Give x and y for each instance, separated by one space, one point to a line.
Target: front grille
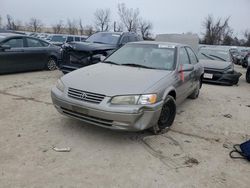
87 118
85 96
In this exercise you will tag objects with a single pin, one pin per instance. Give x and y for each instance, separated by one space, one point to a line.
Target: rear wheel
51 64
248 75
167 116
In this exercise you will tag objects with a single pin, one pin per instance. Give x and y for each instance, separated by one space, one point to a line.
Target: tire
196 92
248 75
51 64
244 64
167 116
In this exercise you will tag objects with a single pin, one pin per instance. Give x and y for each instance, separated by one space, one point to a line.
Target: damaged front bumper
224 78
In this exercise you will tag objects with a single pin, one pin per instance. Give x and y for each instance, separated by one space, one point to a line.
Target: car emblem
83 95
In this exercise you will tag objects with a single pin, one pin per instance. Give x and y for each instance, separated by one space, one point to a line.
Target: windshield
150 56
57 38
104 38
214 54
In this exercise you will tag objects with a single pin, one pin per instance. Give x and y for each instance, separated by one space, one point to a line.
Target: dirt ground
194 153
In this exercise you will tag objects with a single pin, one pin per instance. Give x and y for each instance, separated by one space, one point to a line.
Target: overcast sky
167 16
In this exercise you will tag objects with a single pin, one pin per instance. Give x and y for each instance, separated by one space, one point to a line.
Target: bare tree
89 30
58 27
117 27
129 17
247 36
12 24
35 25
102 19
72 27
216 31
145 28
81 29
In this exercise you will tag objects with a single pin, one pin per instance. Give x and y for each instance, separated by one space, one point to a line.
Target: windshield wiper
217 57
111 62
137 65
207 56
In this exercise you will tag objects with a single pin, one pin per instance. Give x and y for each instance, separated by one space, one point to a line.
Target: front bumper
129 118
222 78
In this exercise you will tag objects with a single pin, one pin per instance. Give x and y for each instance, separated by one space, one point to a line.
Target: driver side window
15 43
183 57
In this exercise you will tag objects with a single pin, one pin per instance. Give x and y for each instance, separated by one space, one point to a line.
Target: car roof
10 34
159 43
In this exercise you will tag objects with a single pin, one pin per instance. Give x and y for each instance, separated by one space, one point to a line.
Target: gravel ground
194 153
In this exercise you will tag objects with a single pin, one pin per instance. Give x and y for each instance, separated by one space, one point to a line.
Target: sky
167 16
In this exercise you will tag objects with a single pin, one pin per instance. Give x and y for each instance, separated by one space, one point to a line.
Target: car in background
19 53
80 54
218 66
137 87
248 70
60 39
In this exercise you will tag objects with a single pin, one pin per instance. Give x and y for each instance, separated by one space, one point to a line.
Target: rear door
36 54
13 59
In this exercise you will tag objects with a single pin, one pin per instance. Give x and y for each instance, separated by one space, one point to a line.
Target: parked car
77 55
60 39
135 88
248 71
218 66
245 60
23 53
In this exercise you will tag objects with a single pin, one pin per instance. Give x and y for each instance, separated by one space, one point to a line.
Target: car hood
87 46
213 64
111 80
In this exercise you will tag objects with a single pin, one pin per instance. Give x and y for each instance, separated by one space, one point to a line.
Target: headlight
230 69
134 99
60 85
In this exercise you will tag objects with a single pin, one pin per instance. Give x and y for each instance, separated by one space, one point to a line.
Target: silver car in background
135 88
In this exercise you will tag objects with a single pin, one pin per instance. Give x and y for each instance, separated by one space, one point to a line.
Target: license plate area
208 76
80 110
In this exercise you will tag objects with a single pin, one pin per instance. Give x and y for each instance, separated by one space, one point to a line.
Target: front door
185 79
13 59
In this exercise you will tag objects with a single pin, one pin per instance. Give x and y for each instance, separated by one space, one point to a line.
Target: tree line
129 20
215 31
219 32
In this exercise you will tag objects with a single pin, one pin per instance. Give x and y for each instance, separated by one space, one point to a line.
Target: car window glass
125 39
154 56
183 57
132 38
44 43
192 56
70 39
15 43
34 43
77 38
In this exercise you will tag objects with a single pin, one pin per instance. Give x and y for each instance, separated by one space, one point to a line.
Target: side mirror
5 47
186 68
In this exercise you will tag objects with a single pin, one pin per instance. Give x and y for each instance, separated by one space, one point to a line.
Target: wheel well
52 56
173 94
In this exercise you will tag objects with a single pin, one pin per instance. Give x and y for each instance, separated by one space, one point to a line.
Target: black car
80 54
20 53
218 66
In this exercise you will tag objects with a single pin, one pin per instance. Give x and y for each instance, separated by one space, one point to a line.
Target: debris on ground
191 161
19 135
67 149
228 116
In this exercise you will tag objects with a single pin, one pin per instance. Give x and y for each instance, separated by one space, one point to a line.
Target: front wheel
51 64
167 115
